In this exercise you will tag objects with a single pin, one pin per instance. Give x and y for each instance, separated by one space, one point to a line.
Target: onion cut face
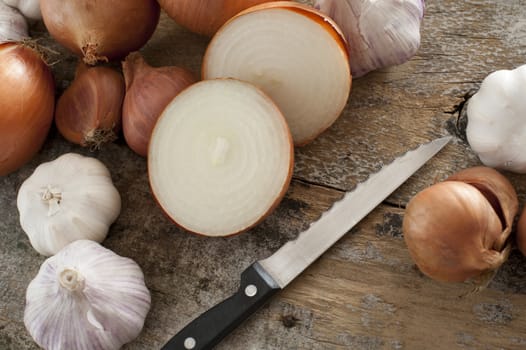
293 53
220 157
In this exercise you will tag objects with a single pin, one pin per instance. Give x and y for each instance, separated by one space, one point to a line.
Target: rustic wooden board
365 293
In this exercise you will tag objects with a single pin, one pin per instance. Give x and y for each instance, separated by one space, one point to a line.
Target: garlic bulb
29 8
69 198
496 128
86 298
380 33
13 26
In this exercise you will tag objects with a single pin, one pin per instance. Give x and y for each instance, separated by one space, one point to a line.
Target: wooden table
365 292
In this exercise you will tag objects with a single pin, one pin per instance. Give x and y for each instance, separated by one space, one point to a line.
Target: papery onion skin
89 112
148 92
453 232
27 102
203 16
101 30
521 232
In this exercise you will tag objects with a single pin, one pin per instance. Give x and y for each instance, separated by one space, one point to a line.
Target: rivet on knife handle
211 327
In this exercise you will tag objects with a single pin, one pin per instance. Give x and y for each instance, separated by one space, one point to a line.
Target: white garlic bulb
496 128
69 198
86 297
13 26
380 33
29 8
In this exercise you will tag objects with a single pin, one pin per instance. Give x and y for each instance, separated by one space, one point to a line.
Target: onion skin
148 92
101 30
27 102
89 112
457 230
521 232
203 16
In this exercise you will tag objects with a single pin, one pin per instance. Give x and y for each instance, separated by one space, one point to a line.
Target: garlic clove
380 33
89 112
86 297
69 198
457 229
295 54
496 129
13 25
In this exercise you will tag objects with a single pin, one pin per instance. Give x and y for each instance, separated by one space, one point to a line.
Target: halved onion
220 157
292 52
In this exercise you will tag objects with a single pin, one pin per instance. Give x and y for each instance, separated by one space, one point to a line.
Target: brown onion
101 30
89 112
203 16
148 91
458 229
27 100
521 232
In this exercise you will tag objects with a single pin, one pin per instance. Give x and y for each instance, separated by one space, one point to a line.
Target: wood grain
365 293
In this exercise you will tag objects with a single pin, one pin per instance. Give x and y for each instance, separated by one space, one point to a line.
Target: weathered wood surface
365 293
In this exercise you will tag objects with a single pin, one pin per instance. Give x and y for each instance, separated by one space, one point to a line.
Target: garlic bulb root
458 229
86 297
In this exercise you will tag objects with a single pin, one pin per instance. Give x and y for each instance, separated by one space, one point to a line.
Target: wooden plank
365 293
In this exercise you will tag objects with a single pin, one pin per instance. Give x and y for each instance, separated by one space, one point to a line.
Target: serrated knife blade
264 278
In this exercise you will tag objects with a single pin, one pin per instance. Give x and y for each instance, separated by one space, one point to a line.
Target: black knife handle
213 325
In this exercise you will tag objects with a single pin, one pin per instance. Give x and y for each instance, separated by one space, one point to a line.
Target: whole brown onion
101 30
204 16
27 101
458 229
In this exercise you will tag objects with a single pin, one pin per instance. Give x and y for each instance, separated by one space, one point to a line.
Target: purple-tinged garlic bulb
380 33
86 297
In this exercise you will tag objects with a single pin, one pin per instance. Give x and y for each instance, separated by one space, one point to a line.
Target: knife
264 278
